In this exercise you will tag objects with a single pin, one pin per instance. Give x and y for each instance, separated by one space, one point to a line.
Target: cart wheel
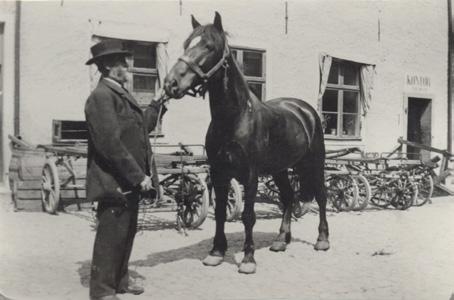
342 192
425 190
406 194
381 197
234 201
364 193
382 193
271 191
193 198
50 187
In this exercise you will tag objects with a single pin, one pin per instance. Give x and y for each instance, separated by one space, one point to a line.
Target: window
252 64
65 131
144 74
341 102
143 82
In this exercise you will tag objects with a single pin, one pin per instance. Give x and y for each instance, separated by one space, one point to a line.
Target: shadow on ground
199 250
196 251
84 273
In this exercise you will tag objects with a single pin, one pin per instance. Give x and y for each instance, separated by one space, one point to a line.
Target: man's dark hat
108 47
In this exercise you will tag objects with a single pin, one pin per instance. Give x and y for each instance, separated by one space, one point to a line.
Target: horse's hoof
322 245
247 268
278 246
213 261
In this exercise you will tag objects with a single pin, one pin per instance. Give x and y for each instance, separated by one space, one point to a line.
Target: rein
200 90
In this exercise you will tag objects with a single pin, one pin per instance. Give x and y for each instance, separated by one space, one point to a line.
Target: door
419 126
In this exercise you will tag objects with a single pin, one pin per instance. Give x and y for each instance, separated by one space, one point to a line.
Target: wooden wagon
57 174
46 177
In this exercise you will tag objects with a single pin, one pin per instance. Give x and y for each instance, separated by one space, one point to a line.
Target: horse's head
205 52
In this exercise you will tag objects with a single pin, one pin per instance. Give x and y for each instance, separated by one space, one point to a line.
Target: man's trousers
117 226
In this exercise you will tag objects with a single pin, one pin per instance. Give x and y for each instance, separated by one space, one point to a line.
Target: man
118 166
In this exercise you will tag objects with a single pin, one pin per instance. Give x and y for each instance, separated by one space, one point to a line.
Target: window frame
340 87
59 131
252 79
153 72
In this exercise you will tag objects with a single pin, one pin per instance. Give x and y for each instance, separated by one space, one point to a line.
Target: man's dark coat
119 149
119 155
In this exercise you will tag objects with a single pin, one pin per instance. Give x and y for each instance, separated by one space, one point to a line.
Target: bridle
201 89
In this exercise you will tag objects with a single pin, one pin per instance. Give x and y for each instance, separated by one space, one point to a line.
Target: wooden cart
58 177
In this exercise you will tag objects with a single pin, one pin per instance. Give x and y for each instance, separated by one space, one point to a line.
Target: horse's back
300 111
293 104
286 100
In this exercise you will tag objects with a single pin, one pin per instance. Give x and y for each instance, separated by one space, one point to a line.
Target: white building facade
7 84
376 70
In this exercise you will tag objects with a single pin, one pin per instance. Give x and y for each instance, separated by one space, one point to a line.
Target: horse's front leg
216 255
248 265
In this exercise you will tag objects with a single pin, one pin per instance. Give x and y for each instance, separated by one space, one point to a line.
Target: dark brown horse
248 138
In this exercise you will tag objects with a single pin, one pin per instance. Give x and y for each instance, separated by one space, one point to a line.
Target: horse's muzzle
171 88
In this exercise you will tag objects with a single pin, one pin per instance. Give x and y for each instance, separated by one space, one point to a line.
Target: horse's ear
194 22
218 22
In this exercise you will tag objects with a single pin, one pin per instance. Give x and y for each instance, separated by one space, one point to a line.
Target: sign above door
417 83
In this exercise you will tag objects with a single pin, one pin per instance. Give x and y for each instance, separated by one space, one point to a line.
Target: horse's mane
212 32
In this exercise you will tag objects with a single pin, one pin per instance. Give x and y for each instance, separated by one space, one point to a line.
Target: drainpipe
450 41
17 69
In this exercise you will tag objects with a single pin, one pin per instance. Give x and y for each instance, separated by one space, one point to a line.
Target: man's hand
161 98
146 184
162 107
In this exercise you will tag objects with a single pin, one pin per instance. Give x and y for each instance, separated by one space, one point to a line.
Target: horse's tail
318 167
318 140
311 169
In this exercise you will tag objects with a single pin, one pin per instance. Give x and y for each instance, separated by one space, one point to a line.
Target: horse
247 138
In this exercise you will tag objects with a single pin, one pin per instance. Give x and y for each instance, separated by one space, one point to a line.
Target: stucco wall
7 10
7 7
411 39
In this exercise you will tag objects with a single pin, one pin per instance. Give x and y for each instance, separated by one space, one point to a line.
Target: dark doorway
419 128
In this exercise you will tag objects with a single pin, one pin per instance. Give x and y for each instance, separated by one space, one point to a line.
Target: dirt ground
376 254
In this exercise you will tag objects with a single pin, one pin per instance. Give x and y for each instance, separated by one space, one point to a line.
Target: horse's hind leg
320 195
286 196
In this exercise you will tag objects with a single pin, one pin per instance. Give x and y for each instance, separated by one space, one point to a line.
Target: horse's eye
210 47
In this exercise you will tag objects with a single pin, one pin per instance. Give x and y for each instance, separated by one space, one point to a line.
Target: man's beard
121 76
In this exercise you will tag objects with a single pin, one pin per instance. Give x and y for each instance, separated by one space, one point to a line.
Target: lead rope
162 99
181 227
180 224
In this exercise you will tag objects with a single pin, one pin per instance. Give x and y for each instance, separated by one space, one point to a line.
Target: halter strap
193 66
196 68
